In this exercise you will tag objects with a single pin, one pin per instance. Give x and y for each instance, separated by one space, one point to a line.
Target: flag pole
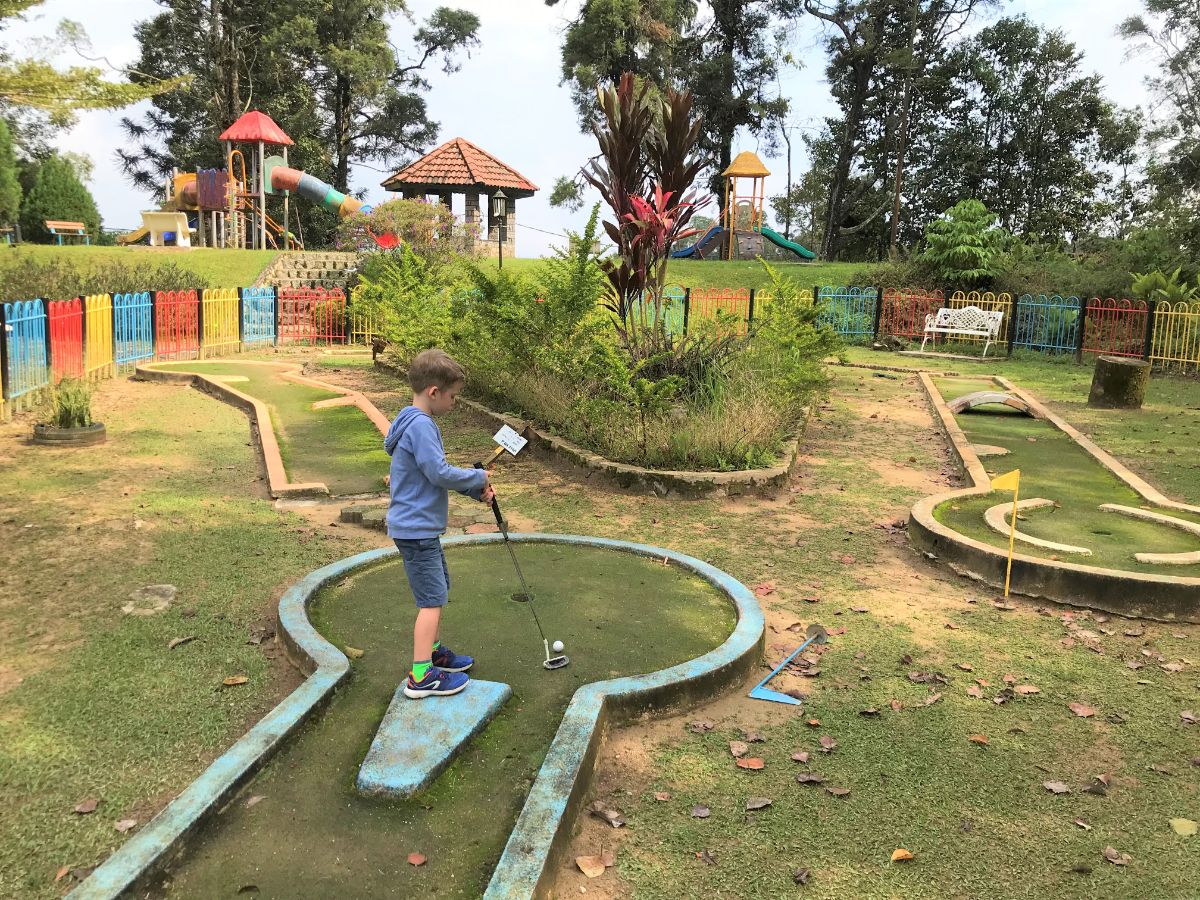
1012 534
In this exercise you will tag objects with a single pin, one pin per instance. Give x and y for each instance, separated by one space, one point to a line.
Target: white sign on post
510 440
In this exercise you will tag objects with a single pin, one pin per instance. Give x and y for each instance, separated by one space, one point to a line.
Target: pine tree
57 193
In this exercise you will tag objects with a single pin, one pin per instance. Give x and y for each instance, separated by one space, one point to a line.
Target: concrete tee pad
418 739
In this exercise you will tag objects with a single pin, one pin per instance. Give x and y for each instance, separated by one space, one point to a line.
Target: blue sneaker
436 683
446 659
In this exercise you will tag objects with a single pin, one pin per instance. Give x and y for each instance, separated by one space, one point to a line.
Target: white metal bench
967 320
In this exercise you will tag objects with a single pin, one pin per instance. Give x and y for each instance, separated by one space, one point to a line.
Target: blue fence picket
133 327
849 311
671 310
258 315
25 348
1047 323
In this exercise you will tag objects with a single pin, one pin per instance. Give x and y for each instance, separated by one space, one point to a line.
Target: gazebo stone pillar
471 219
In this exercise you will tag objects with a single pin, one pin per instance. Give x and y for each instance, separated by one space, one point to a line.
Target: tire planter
51 436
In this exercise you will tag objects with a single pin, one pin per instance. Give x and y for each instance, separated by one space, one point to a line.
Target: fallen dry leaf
837 791
1056 787
896 705
591 866
858 609
750 762
758 803
752 737
901 855
1117 859
1183 827
932 699
180 641
975 691
707 856
801 756
977 739
601 811
701 812
738 748
951 625
1082 710
1172 667
1026 690
966 667
662 795
87 806
416 859
235 680
125 825
847 560
762 590
827 743
809 778
801 876
1084 825
1188 717
869 711
700 727
813 723
61 874
353 652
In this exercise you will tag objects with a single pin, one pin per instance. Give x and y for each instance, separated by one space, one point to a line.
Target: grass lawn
338 445
93 704
1157 441
729 274
220 268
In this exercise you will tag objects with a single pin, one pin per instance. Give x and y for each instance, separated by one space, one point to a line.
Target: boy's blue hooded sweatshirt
421 477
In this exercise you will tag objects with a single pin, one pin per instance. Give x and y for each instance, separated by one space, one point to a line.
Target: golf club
814 633
551 662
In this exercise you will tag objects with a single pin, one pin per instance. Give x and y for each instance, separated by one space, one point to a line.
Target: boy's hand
489 492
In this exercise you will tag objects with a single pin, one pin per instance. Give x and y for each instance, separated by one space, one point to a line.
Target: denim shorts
425 566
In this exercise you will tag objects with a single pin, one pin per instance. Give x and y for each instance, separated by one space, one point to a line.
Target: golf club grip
495 504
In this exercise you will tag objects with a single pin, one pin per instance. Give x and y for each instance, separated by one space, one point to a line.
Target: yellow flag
1007 482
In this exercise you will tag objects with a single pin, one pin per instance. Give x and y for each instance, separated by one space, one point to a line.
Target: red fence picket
312 315
706 303
1115 327
904 312
177 324
66 338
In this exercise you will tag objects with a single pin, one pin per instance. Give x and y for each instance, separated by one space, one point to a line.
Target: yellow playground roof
747 165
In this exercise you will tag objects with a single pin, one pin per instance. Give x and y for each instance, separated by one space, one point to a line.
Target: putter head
765 693
556 662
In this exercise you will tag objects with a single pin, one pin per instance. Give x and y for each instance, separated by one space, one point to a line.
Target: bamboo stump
1119 383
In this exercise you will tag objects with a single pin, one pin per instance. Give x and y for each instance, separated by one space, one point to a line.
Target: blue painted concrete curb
540 831
417 740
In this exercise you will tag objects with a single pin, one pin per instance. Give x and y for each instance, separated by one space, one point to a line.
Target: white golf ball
558 646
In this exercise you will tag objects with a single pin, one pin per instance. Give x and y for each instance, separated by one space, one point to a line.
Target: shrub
962 245
69 404
57 193
61 277
429 229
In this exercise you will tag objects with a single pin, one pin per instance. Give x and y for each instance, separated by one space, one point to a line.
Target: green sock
436 644
421 669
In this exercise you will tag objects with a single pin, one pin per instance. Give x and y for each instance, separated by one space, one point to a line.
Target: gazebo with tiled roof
459 167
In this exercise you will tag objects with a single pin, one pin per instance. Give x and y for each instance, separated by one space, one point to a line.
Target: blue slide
699 250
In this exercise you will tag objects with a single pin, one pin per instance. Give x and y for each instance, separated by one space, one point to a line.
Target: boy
416 516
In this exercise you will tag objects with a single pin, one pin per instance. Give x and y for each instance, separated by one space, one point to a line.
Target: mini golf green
313 836
337 445
1053 466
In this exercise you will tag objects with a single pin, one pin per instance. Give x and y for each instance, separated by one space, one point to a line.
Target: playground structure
229 205
743 229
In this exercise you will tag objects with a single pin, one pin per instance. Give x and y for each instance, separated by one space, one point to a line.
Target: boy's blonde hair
434 367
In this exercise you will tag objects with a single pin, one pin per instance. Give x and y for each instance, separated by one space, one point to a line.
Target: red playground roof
256 126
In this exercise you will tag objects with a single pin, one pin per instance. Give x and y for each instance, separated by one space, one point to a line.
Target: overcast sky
507 98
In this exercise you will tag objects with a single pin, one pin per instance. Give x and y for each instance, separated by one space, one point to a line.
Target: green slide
780 241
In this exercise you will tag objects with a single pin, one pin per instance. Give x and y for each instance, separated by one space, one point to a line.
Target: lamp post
500 214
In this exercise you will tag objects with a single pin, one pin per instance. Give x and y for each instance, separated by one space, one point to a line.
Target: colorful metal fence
219 315
1046 323
64 318
98 336
849 311
1176 340
258 315
718 305
671 310
133 328
312 315
177 324
26 364
1116 327
363 326
903 312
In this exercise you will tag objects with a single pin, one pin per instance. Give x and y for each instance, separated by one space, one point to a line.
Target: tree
963 244
10 187
57 193
324 70
31 83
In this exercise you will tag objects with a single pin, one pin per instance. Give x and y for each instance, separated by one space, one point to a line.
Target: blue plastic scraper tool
816 634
